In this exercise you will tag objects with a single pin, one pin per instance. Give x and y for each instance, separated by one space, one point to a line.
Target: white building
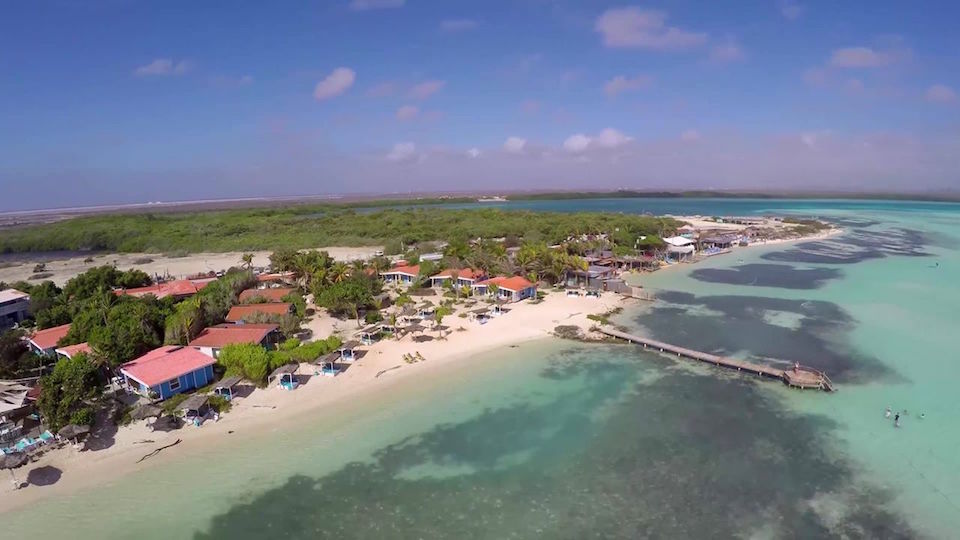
14 306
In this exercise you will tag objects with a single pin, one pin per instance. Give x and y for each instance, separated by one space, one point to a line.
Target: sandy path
157 264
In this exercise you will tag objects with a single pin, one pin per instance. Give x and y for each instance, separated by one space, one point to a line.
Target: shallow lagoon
559 440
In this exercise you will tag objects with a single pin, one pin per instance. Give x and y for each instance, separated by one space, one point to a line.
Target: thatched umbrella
11 461
146 411
73 431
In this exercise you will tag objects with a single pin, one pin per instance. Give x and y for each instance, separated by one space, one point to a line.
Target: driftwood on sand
158 450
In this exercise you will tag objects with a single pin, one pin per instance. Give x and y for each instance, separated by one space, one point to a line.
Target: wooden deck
804 377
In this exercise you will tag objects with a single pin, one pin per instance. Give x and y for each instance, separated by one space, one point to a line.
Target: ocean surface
554 439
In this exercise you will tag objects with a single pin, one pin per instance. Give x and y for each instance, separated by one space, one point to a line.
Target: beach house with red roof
14 307
243 312
44 342
466 277
72 350
401 273
511 289
275 294
211 340
179 289
167 371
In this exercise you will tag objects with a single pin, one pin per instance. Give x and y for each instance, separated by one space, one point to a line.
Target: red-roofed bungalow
511 289
180 288
241 312
167 371
71 350
44 342
275 294
211 340
466 277
401 273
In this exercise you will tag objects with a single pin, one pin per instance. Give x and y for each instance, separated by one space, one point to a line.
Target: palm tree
339 272
247 260
438 316
494 289
303 268
393 323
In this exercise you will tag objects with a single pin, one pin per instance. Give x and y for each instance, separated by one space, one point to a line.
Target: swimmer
896 420
887 413
923 415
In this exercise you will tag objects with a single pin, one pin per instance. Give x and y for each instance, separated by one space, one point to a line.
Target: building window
175 384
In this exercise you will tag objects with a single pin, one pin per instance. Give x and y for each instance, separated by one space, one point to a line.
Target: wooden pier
802 377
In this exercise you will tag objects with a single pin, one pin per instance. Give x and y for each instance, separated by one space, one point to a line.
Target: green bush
252 362
219 403
372 317
83 417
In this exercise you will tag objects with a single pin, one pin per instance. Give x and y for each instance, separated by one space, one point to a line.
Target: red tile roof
462 273
403 269
47 339
280 276
71 350
179 287
221 336
165 364
238 313
513 283
271 295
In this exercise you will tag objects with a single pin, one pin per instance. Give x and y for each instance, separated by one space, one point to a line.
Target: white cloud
402 151
861 57
726 52
426 89
407 112
336 83
515 145
853 86
366 5
690 135
621 83
635 27
458 25
611 138
941 93
607 138
163 67
790 9
811 139
474 152
577 143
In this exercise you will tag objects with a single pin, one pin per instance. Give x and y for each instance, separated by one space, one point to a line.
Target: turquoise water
560 440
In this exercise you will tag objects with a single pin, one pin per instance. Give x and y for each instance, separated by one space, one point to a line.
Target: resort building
72 350
511 289
719 242
243 312
680 248
44 342
278 277
211 340
178 289
274 295
14 306
593 277
402 273
466 277
167 371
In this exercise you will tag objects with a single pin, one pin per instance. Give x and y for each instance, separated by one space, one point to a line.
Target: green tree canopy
250 361
67 390
134 326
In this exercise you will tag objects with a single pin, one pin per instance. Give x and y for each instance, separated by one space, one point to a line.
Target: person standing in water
896 420
887 413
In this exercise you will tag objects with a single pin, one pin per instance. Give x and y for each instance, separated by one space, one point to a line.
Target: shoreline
271 409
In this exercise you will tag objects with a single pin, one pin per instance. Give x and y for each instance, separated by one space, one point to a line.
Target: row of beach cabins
170 370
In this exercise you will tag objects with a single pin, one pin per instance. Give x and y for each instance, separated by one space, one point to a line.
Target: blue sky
115 101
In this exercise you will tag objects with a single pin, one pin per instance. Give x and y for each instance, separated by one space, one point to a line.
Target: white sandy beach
177 267
276 409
